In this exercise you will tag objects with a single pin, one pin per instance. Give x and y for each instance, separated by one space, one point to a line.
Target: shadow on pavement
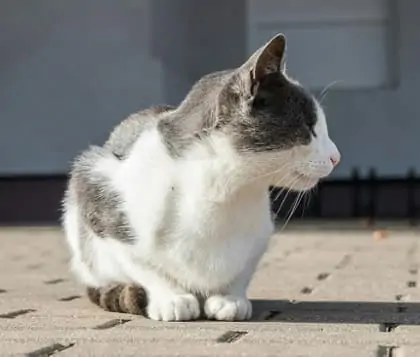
356 312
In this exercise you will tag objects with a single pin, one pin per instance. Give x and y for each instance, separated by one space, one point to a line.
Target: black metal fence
371 197
36 200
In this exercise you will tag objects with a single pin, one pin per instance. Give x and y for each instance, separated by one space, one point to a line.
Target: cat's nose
335 159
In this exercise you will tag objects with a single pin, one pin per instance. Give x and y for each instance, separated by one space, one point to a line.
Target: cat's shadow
386 314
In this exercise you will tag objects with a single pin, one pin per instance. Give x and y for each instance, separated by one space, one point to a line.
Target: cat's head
274 122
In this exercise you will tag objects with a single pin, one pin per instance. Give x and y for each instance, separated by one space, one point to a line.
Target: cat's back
124 135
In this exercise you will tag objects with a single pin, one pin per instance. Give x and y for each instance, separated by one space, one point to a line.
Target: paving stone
318 292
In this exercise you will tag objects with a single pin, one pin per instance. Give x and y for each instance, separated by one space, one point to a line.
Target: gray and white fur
170 217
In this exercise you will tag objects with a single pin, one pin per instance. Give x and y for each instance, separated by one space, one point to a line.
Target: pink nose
335 159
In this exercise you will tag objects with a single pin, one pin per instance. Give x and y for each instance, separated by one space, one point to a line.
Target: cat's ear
270 58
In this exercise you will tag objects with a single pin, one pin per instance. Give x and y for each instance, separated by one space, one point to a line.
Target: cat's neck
196 114
215 169
210 168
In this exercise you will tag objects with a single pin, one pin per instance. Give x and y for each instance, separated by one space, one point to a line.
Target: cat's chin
302 182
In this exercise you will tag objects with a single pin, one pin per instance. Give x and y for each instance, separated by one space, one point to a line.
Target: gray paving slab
318 292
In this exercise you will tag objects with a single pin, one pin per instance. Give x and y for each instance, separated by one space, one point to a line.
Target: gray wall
381 128
192 38
70 70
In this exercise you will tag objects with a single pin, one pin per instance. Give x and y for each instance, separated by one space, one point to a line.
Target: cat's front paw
175 308
228 308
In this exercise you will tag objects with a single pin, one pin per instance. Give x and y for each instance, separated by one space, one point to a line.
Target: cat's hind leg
166 299
128 298
134 299
99 263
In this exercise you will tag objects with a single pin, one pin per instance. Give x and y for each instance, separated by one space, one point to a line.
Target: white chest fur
189 221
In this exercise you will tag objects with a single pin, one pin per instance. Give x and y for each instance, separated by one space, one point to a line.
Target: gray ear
269 58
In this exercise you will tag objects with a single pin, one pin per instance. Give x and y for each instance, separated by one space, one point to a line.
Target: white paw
176 308
228 308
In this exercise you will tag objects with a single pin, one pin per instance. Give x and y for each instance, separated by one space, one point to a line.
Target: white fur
205 220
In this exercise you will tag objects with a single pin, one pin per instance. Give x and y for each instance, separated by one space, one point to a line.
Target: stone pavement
318 292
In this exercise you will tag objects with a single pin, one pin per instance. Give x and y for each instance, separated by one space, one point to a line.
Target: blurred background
71 70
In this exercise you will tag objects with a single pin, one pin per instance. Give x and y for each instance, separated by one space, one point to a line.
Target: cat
170 217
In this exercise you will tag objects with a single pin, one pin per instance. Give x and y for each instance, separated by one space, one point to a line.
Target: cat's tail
128 298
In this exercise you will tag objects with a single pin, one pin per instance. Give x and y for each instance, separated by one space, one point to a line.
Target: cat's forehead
286 98
281 114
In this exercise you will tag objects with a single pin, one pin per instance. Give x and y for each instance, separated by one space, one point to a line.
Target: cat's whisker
294 206
306 200
324 92
290 188
282 190
293 209
288 216
282 203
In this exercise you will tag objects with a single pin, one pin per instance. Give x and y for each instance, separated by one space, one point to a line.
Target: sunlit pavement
337 292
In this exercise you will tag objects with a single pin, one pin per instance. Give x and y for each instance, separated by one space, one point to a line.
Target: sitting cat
170 218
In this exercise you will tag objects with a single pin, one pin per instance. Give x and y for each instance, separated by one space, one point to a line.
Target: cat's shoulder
126 133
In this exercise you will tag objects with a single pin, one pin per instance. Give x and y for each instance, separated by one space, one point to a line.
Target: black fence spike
355 180
411 196
373 197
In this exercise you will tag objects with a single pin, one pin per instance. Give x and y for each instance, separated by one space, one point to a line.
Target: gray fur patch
99 205
255 105
280 115
126 133
196 116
